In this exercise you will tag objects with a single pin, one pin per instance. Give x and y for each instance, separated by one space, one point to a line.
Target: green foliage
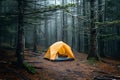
107 23
112 9
29 68
66 10
92 61
110 37
54 8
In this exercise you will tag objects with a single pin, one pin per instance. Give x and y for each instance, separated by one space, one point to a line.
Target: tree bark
20 34
56 36
35 34
63 23
92 49
46 26
35 39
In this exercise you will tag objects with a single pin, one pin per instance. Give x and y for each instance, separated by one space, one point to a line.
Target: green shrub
92 61
29 68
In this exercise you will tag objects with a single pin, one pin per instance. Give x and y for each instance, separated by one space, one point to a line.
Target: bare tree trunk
46 26
56 37
63 22
92 49
20 41
35 34
35 39
73 32
82 27
78 24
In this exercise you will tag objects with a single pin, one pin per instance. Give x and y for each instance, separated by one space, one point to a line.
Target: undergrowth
92 61
29 68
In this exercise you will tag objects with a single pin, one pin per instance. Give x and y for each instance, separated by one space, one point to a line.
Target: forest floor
79 69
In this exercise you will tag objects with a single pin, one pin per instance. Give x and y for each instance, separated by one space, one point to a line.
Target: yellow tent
59 50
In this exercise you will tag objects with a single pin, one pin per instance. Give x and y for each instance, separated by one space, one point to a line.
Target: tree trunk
73 32
63 22
56 37
46 26
35 39
20 34
92 49
35 34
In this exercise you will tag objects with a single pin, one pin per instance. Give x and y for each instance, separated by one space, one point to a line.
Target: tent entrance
63 58
62 55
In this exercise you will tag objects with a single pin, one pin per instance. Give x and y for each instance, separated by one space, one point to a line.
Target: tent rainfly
59 51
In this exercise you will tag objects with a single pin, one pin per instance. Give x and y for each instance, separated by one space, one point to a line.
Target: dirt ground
79 69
